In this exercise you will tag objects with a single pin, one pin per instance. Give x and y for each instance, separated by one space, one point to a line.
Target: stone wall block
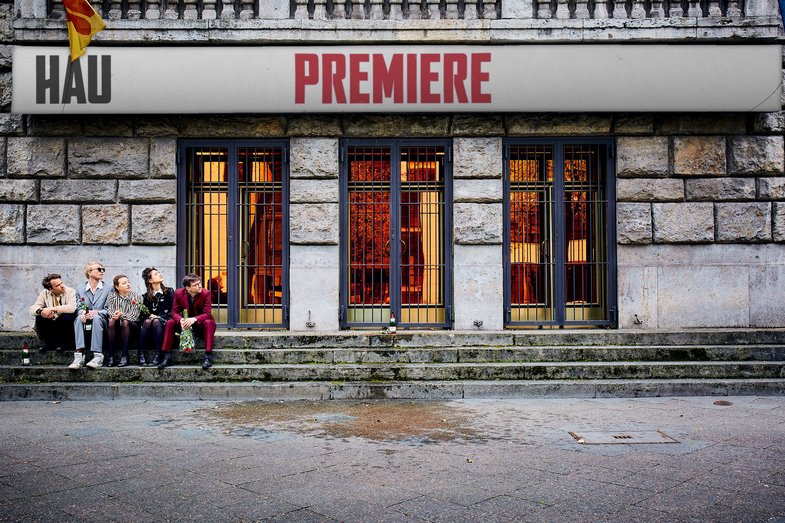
313 191
699 155
88 191
314 126
36 157
477 191
477 158
109 126
477 223
154 224
53 224
477 125
718 189
313 158
759 155
163 154
479 287
314 224
743 222
5 91
683 222
53 125
649 190
18 190
12 124
702 123
778 232
108 158
555 124
771 188
155 126
3 149
633 223
12 223
229 126
386 126
5 56
642 156
138 191
632 124
105 224
769 123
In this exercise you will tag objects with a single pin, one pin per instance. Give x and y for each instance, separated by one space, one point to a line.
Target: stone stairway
424 364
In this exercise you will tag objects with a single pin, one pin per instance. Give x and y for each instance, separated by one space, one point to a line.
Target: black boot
123 361
140 357
208 361
156 360
166 361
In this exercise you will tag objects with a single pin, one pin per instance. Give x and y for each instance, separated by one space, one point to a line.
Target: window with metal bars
559 232
234 226
396 233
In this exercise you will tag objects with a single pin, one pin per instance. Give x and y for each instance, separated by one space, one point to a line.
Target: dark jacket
160 305
201 309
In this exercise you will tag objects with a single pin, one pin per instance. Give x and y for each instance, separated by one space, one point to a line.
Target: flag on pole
83 22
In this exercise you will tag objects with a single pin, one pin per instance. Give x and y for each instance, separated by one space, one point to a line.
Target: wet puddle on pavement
404 422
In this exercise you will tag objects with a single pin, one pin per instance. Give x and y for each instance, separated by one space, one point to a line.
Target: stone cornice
503 31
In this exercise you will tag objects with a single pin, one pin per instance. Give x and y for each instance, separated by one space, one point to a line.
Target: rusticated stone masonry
90 191
719 188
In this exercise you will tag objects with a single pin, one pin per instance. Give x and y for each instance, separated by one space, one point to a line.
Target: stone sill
146 32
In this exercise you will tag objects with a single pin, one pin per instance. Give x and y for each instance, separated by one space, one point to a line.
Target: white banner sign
514 78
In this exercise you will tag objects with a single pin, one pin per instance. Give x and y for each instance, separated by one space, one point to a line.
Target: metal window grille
234 218
559 230
396 241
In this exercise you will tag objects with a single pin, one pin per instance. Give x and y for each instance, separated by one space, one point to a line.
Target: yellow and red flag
83 22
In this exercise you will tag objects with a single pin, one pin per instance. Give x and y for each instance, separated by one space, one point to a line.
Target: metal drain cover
621 438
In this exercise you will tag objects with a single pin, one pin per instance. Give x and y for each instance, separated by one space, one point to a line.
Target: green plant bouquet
187 337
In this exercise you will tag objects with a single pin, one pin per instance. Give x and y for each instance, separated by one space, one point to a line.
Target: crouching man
54 314
198 303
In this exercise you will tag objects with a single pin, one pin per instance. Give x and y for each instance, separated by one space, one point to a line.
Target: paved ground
493 460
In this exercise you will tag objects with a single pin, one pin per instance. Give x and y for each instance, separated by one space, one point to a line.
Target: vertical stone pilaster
479 287
314 276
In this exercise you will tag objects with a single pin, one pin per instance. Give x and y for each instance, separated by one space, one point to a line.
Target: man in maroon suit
196 300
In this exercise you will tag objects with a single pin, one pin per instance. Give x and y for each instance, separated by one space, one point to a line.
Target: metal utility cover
621 437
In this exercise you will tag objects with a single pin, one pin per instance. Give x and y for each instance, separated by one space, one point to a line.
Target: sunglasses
100 269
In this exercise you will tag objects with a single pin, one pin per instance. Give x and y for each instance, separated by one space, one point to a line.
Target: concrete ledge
423 391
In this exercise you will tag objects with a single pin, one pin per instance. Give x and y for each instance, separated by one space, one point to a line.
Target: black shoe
156 360
166 361
142 361
123 362
43 350
60 350
208 361
109 362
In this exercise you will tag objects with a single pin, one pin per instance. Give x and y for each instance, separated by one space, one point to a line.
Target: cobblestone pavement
493 460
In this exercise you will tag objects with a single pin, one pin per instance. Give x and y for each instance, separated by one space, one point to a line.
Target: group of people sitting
66 318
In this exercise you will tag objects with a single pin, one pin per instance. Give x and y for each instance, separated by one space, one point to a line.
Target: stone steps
428 364
405 372
424 390
232 356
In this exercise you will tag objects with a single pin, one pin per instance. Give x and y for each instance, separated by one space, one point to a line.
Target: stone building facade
697 204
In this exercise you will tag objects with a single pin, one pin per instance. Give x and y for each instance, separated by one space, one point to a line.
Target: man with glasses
197 303
91 317
54 314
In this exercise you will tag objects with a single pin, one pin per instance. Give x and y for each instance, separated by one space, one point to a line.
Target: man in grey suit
91 316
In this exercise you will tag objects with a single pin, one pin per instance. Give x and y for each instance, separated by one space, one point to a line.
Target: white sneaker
78 360
97 361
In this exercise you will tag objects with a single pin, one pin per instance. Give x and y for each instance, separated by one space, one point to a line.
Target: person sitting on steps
158 299
123 305
197 301
91 317
54 314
